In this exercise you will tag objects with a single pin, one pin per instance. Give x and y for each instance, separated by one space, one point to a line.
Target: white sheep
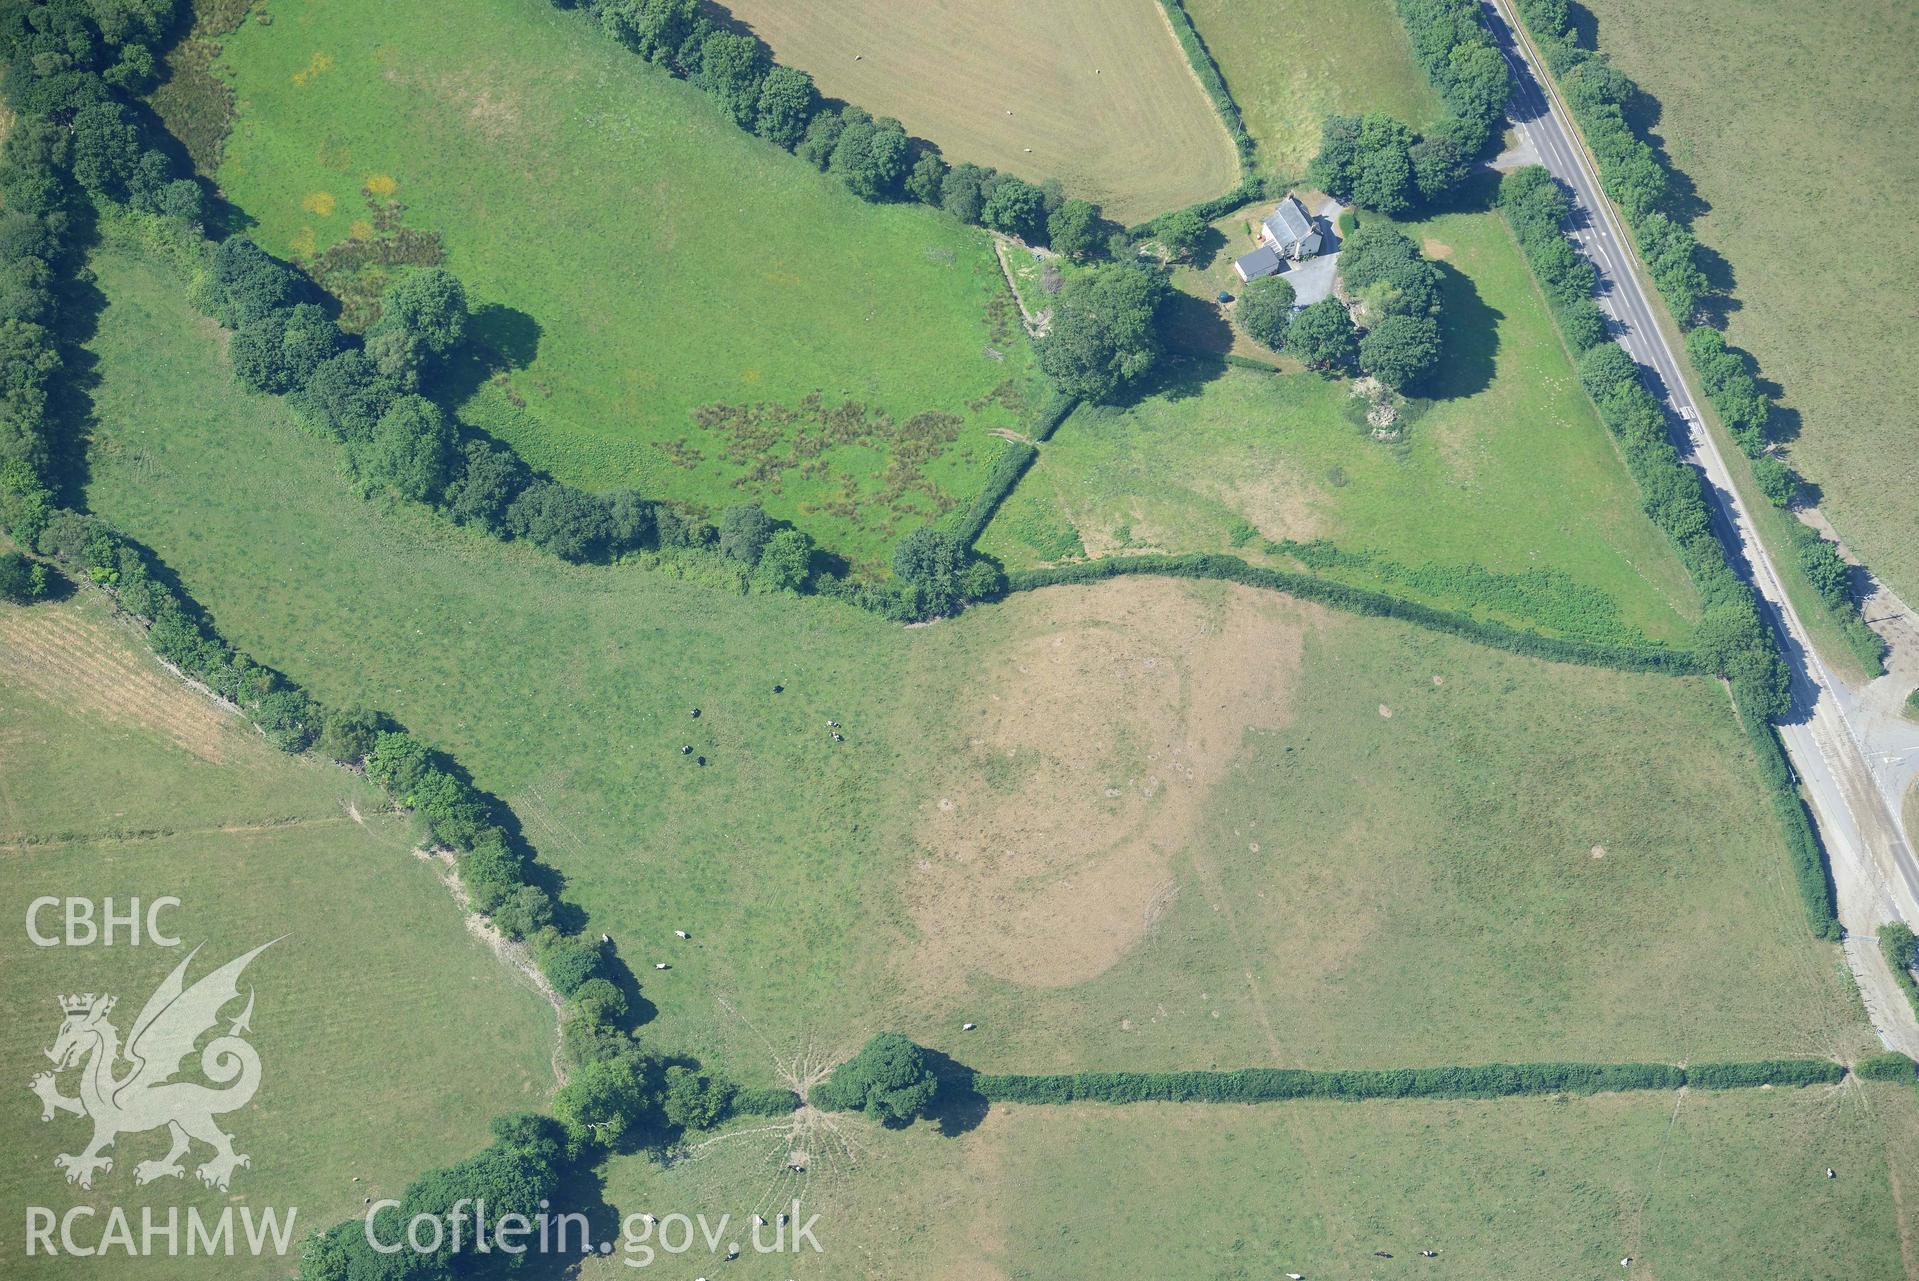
661 965
682 934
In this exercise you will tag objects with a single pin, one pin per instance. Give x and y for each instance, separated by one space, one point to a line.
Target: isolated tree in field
1321 335
787 99
429 304
1076 229
1264 311
731 68
745 529
1181 233
889 1080
1014 206
1400 350
1104 336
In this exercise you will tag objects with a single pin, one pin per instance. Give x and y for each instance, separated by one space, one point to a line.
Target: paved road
1873 869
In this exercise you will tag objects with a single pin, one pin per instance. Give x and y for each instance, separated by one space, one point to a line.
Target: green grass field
387 1033
1831 329
824 885
1700 1186
1509 468
637 258
1290 64
1095 93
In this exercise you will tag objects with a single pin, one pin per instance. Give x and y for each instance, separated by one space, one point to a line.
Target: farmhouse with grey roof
1287 232
1261 262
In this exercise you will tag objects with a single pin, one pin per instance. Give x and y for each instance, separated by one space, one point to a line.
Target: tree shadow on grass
958 1108
1469 333
1206 250
1191 327
498 339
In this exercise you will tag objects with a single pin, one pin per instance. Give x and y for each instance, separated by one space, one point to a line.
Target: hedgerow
1633 174
1212 81
874 156
1890 1066
1247 192
1639 180
1901 950
1268 1085
1645 657
1010 466
54 173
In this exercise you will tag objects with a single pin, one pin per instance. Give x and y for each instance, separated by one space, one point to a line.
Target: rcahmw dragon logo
143 1096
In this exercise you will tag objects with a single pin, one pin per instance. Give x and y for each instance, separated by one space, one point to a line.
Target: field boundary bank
1220 567
1637 178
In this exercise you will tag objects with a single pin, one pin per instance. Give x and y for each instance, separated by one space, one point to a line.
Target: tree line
1379 162
60 61
1644 186
874 156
